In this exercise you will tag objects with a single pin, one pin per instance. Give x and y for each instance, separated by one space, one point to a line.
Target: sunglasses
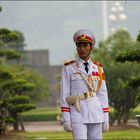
84 44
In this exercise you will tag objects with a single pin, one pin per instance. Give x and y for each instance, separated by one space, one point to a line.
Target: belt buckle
87 95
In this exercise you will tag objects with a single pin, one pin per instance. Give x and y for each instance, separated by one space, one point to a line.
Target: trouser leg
94 131
79 131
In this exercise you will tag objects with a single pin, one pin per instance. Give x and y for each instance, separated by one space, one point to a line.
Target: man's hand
67 126
105 126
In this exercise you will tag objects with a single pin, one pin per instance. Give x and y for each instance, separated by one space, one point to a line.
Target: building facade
38 60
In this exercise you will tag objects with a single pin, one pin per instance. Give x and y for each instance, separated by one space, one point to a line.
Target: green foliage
132 55
50 114
5 74
18 44
4 32
10 54
138 36
7 36
40 90
15 80
19 99
17 86
123 99
134 82
129 55
12 80
58 135
20 107
10 86
19 104
0 8
41 114
39 117
9 120
127 134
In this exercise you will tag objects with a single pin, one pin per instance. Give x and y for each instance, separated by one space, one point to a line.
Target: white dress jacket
94 109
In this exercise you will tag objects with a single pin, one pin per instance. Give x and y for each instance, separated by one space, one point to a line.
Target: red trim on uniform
95 73
68 63
106 109
98 64
65 109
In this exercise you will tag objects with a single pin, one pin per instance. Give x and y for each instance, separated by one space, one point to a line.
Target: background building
38 60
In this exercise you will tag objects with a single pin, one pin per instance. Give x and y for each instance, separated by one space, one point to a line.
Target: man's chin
84 57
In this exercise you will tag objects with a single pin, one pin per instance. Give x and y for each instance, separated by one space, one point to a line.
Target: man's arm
103 97
65 91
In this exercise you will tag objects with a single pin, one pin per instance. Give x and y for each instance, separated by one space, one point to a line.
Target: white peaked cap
84 35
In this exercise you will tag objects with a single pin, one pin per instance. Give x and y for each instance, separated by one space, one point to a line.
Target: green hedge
39 117
51 114
41 114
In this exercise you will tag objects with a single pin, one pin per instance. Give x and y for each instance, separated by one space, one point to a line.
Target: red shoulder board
98 64
68 63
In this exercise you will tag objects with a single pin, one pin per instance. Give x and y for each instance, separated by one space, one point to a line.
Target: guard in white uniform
84 99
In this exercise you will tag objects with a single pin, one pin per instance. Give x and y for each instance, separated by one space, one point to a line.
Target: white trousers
91 131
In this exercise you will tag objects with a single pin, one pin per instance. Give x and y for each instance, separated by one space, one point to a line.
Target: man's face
84 49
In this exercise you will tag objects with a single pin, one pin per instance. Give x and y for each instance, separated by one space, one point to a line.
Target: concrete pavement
56 126
43 126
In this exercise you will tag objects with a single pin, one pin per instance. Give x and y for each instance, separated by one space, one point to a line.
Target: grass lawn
115 135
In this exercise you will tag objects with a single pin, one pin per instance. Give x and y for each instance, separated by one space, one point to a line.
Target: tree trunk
3 127
15 124
119 121
126 117
113 117
119 118
21 122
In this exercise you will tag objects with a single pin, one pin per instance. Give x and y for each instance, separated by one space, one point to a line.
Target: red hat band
84 38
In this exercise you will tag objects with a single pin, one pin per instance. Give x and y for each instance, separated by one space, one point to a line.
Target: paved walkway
55 126
43 126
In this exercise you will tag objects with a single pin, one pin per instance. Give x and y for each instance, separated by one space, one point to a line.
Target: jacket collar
81 67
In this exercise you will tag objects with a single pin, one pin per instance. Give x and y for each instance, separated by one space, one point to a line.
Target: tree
40 90
19 43
6 36
121 98
17 80
16 105
132 55
0 8
10 86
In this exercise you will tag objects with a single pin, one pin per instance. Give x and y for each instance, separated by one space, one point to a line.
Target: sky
51 24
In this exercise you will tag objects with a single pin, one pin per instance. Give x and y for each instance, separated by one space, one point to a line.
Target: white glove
67 126
105 126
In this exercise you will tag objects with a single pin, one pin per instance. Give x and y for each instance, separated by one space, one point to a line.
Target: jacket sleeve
103 97
65 91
